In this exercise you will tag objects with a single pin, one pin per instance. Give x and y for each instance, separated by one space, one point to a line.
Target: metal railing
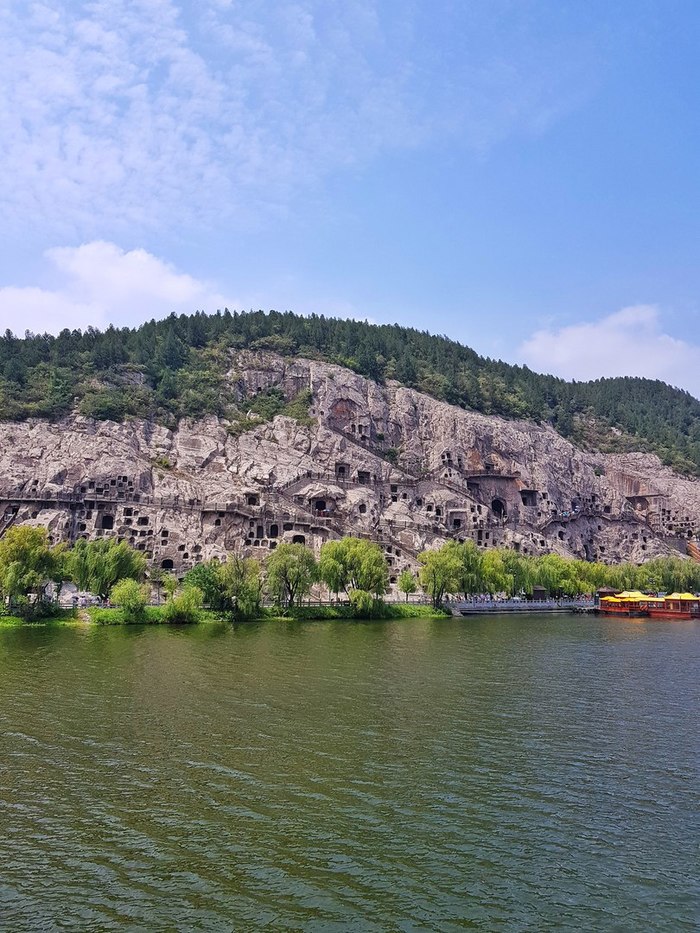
478 605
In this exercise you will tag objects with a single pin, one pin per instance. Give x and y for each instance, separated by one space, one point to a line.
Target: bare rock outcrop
381 461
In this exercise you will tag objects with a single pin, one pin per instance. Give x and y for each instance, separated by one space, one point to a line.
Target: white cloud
119 116
630 342
98 284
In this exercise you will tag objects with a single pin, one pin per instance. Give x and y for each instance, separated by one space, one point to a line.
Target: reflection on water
496 774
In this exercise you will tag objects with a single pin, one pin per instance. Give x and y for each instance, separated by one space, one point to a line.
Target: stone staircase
8 520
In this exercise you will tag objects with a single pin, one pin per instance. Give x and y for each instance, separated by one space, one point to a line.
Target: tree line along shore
351 572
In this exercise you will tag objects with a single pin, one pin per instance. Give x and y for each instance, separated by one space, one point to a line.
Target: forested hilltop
166 370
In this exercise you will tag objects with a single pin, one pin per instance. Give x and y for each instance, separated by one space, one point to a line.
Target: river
495 773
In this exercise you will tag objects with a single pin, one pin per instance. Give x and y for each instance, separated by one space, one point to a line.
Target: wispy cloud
119 116
98 284
630 342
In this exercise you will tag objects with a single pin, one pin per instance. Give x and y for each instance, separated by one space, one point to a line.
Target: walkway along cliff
381 461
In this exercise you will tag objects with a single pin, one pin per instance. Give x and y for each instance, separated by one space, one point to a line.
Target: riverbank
346 613
154 615
68 617
384 611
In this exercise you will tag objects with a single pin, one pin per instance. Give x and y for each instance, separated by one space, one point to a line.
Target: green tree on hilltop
157 369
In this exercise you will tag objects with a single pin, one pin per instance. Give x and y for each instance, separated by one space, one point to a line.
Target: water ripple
499 774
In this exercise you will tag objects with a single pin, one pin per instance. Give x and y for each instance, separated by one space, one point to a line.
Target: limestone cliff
384 462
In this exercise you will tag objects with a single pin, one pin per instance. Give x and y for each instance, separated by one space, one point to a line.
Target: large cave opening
498 507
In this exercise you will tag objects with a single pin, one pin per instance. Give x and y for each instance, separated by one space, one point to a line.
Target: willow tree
353 564
407 583
472 564
241 585
96 566
290 572
440 573
496 577
28 563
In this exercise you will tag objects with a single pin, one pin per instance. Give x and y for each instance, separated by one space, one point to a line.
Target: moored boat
631 603
634 604
676 606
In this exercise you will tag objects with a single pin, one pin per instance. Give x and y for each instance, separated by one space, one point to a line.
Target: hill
311 451
165 370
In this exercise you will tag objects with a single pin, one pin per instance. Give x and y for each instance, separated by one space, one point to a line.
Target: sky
521 175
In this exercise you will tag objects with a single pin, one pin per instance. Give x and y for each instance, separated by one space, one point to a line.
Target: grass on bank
380 611
62 617
157 615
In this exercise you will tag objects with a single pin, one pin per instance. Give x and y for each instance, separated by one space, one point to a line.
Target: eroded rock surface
381 461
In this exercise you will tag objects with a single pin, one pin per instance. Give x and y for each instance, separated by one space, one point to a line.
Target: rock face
383 462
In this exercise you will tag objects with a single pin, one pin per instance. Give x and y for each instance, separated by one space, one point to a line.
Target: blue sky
521 175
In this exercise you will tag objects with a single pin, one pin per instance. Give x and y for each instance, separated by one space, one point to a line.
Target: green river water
493 773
